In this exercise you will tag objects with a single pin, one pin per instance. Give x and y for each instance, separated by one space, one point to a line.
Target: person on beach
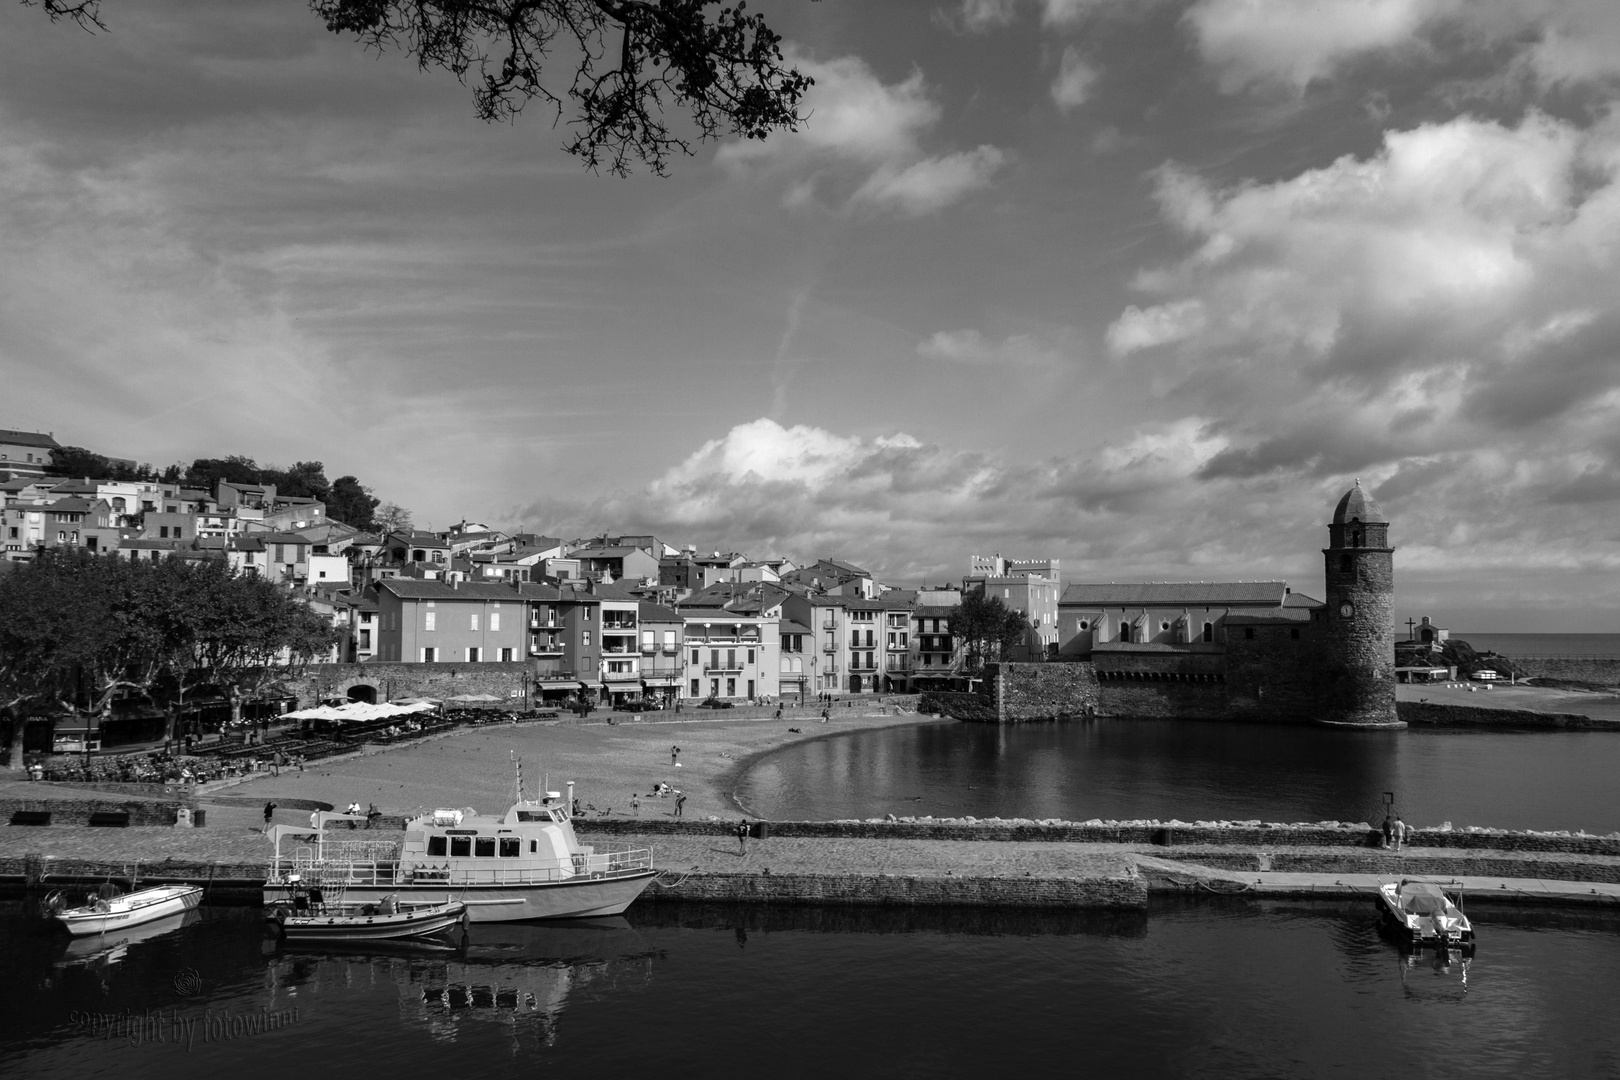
635 804
674 755
742 837
269 812
680 801
824 716
779 712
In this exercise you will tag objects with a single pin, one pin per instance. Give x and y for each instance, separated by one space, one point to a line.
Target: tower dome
1357 505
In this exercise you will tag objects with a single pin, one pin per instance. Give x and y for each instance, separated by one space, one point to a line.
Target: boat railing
341 874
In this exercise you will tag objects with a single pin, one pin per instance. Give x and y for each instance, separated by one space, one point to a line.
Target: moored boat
1422 914
109 911
384 921
526 864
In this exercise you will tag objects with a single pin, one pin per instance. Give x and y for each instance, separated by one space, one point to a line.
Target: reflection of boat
525 865
112 946
108 911
1421 914
367 922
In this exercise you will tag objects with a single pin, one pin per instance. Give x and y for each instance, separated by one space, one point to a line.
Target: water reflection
1193 770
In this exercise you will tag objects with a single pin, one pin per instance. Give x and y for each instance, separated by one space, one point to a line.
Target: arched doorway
854 684
363 692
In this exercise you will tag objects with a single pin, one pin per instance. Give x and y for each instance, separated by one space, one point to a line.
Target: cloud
1072 86
864 136
1290 43
980 16
973 348
1437 317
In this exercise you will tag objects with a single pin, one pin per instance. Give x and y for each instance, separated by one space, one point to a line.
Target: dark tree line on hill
79 630
346 499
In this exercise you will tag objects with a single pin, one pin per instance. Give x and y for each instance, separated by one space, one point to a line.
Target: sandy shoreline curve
607 763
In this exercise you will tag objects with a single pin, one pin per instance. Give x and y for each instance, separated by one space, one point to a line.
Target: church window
1355 540
1346 564
1209 631
1085 624
1164 626
1248 633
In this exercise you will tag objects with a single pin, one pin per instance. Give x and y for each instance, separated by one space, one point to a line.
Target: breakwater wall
1430 714
1122 891
83 812
1388 863
1167 834
1603 670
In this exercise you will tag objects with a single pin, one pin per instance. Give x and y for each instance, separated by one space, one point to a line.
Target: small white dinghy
1422 914
102 912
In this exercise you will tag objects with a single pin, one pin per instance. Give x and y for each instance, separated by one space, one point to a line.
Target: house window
474 621
585 638
474 654
731 659
750 660
365 639
429 618
731 688
506 656
494 622
750 687
695 660
694 688
430 655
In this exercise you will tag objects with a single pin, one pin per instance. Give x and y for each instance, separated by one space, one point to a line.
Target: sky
1142 285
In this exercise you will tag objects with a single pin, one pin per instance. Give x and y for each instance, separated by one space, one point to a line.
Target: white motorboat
106 911
1422 914
526 864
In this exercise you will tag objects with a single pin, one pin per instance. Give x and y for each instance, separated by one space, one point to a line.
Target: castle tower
1360 613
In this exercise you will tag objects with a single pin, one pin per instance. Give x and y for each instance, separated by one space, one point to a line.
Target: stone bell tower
1360 614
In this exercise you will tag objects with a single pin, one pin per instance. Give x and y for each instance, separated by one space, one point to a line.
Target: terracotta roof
416 589
648 611
28 438
1175 594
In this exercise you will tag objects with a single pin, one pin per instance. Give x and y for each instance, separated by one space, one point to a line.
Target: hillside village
633 620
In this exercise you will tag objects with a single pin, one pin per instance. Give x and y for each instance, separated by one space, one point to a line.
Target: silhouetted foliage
988 627
624 62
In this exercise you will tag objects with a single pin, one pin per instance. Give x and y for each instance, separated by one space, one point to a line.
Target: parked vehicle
715 703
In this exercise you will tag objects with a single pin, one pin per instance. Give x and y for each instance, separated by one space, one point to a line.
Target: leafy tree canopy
624 62
76 461
352 504
988 627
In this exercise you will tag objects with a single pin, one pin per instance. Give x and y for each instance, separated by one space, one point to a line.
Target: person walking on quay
635 804
779 712
269 812
1400 832
742 837
1389 831
680 802
825 715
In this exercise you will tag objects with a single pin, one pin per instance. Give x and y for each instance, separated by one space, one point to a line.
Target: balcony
536 623
617 650
618 627
545 650
721 669
863 665
621 676
830 624
829 648
649 650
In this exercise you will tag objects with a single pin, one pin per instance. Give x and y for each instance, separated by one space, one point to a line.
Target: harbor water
1194 770
1213 988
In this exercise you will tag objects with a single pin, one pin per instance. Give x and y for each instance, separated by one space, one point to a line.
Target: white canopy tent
356 711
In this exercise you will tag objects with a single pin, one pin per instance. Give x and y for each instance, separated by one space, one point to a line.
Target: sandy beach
607 763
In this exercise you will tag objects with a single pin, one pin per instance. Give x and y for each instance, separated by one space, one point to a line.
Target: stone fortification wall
1436 715
400 680
1042 691
975 707
1157 833
1162 700
1279 672
1603 670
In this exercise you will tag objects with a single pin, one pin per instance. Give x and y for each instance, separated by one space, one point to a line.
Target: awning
356 711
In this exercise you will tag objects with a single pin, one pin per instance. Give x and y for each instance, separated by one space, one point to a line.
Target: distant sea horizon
1537 644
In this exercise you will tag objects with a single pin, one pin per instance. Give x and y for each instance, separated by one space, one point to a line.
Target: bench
31 817
109 819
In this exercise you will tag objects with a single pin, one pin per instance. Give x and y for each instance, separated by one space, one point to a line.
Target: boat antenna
518 763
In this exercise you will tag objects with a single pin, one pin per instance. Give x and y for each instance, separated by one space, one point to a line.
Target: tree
205 473
304 480
988 627
78 629
391 517
351 503
630 59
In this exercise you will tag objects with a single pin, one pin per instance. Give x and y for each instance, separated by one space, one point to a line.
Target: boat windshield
535 815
